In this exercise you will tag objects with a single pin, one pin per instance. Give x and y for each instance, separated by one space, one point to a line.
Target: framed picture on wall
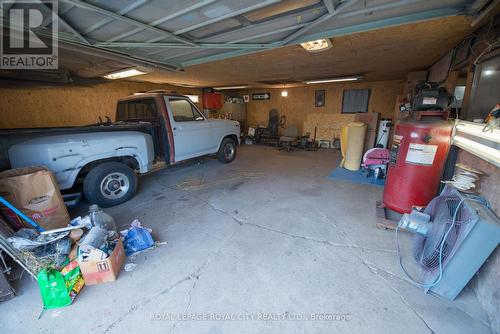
246 98
319 98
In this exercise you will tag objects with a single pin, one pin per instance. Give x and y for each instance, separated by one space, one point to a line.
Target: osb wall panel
327 126
60 106
486 283
300 110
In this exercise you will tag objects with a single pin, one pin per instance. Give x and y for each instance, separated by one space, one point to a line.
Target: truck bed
9 137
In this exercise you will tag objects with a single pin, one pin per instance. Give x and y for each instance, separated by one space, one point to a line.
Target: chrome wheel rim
114 185
228 151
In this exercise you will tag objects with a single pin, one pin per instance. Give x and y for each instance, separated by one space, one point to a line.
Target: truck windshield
137 110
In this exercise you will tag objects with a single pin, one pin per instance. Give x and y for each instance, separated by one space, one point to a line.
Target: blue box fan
454 244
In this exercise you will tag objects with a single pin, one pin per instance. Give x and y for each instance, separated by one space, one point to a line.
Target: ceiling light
355 78
317 45
193 98
127 72
230 87
284 92
477 130
488 72
485 152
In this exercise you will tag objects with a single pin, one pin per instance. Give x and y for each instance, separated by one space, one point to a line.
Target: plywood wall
69 105
300 110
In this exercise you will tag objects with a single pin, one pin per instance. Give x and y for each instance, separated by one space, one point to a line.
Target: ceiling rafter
332 12
73 30
184 46
269 33
125 58
164 19
129 20
257 25
123 11
382 23
226 16
62 12
329 5
64 23
261 23
312 21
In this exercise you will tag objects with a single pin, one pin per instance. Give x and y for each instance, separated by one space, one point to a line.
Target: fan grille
427 249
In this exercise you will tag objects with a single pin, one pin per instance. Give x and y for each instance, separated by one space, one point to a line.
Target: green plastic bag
59 288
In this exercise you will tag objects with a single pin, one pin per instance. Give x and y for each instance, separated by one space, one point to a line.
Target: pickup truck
151 130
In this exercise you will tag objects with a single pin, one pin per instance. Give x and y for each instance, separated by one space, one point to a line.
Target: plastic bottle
103 220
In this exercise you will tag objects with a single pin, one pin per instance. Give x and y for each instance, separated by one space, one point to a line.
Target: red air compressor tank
418 155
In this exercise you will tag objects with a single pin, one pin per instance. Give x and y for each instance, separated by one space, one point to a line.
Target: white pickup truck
151 129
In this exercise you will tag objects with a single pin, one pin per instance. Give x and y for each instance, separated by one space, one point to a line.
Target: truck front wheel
109 184
227 150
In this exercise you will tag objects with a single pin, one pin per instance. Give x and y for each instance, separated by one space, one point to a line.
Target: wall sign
396 143
261 96
421 154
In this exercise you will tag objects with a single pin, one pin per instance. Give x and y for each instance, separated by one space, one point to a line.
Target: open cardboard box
97 272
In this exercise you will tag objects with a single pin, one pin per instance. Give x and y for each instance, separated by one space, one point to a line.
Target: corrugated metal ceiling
179 33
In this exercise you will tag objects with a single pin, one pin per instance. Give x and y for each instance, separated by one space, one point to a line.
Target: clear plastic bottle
104 220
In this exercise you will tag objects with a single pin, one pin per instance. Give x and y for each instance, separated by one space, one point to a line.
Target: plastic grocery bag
137 239
59 288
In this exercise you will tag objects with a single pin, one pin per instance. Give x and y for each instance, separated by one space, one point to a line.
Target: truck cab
183 131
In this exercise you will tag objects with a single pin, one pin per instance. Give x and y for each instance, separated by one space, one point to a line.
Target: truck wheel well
233 137
127 160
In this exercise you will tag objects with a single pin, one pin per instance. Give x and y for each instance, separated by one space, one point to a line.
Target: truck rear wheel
227 150
109 184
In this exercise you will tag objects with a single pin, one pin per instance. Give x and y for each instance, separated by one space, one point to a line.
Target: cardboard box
371 121
34 191
97 272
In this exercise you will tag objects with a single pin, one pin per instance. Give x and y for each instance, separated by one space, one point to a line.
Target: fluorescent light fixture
485 152
230 87
193 98
476 130
317 45
127 72
488 72
284 93
355 78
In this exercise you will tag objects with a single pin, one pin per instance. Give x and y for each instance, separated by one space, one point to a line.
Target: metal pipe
21 214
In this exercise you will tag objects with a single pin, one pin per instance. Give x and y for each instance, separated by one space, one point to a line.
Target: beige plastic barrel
355 141
343 143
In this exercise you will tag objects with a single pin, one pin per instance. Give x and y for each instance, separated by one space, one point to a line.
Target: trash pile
88 251
137 238
101 239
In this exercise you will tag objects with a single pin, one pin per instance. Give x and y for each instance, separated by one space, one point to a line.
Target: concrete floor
266 235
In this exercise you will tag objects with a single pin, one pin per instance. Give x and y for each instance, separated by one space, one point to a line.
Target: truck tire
227 150
109 184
